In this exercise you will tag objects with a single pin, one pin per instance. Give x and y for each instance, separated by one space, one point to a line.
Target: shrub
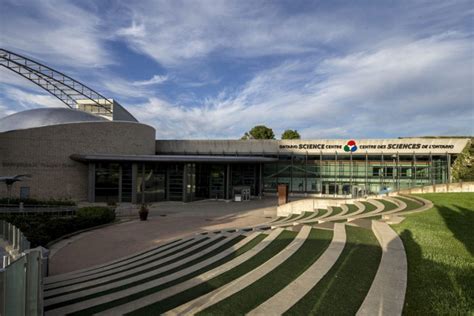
41 229
97 214
28 202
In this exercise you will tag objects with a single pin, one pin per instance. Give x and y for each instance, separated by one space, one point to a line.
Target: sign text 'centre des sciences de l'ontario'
402 146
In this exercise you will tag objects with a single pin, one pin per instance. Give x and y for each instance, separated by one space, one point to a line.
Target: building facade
75 155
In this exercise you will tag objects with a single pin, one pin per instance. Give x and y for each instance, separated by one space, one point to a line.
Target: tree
259 132
463 167
290 134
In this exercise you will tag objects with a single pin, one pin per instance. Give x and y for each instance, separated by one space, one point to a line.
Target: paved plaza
166 221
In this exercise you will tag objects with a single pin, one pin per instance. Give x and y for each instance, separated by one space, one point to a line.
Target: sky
213 69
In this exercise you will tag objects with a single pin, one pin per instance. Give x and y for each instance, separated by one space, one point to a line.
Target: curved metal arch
63 87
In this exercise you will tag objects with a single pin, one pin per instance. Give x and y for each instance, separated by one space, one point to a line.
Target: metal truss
63 87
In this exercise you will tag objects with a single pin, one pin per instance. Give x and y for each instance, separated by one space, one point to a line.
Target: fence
21 291
37 209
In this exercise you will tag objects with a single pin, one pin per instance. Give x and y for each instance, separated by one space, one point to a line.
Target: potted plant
143 212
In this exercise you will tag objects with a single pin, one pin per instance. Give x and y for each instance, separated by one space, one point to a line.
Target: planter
143 216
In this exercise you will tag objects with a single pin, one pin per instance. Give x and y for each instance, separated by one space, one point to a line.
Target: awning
170 158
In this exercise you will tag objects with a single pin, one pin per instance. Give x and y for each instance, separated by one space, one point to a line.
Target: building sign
323 146
373 146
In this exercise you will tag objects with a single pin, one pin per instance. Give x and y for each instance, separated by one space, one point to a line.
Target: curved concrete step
316 219
158 258
235 286
296 290
170 291
387 292
109 280
398 217
117 262
289 221
344 208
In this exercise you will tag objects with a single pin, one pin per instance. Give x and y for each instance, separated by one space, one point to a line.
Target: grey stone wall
44 153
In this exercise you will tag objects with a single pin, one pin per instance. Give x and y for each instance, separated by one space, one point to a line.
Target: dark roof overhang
169 158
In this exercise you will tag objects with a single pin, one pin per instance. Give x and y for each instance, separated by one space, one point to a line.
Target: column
134 183
185 182
227 182
91 184
366 172
448 168
336 171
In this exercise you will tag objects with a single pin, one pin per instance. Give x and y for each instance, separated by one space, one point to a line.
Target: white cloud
156 79
24 100
173 32
414 88
58 31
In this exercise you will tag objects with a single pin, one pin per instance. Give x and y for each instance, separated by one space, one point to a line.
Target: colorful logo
351 146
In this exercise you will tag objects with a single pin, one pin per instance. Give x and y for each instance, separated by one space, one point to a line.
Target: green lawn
352 208
258 292
336 211
343 289
411 205
388 206
440 248
369 207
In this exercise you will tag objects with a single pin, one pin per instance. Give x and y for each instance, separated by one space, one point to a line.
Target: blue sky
214 69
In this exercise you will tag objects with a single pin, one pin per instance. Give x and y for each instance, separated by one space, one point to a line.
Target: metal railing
37 209
21 275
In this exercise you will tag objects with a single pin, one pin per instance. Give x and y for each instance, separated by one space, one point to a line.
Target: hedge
40 229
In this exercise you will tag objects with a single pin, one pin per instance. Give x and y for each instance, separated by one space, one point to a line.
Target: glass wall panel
107 179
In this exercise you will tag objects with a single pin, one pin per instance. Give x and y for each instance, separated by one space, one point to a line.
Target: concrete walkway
152 298
242 282
387 292
167 221
296 290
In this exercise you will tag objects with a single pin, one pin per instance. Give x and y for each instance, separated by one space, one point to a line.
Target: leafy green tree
463 167
290 134
259 132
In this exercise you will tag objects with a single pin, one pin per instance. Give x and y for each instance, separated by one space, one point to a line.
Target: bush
41 229
28 202
96 215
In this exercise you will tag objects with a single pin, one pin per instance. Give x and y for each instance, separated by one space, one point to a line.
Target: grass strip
322 212
174 301
440 246
258 292
388 206
306 214
110 304
369 207
411 205
343 289
336 210
198 250
352 208
112 272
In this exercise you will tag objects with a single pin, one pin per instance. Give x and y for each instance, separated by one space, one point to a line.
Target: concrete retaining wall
440 188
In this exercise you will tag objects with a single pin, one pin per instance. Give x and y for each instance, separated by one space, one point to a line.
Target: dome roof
45 117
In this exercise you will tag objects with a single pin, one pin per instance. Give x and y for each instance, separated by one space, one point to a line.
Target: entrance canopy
171 158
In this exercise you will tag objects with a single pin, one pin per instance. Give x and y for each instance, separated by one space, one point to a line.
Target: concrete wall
440 188
44 153
121 114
